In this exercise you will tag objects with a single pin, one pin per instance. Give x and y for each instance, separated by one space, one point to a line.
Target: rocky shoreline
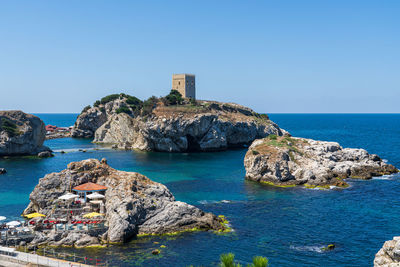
290 161
134 206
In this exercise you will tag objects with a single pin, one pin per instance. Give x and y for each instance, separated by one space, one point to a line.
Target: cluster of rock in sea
138 206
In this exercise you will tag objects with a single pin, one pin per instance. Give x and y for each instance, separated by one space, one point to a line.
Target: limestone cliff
134 205
21 134
189 126
289 161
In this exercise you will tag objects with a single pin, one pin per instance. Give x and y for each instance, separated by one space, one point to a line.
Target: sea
289 226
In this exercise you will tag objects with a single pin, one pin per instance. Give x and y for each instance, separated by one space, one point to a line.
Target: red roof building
88 187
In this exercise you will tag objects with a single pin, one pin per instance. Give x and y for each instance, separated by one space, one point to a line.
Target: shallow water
287 225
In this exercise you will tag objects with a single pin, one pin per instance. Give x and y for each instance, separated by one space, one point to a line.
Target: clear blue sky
274 56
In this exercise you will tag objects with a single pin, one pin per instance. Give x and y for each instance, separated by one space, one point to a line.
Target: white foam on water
204 202
317 249
384 177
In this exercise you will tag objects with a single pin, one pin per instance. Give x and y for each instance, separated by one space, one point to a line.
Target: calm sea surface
286 225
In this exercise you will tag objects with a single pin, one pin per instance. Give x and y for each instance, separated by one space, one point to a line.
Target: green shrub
85 109
273 136
123 109
97 103
132 100
149 105
259 261
109 98
135 103
173 98
9 126
228 260
255 152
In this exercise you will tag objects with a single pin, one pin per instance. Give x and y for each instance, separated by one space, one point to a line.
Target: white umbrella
95 195
13 223
26 229
68 196
2 218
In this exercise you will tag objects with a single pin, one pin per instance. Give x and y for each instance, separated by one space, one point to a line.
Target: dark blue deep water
287 225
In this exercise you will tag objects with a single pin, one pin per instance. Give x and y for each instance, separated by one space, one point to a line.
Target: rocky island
21 134
290 161
171 124
134 205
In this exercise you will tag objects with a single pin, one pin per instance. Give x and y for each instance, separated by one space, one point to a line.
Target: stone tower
184 84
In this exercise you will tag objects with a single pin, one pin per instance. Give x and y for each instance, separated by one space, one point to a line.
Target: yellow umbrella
34 215
92 214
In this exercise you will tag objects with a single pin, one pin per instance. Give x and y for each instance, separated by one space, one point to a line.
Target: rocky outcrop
288 161
203 126
92 118
134 205
389 254
21 134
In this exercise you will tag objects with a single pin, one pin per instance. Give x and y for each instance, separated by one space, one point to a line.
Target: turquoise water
286 225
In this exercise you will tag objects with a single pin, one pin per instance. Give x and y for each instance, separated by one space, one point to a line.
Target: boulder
45 154
134 204
288 161
21 134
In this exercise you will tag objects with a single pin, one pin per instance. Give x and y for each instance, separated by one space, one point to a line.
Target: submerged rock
134 204
389 254
288 161
21 134
329 247
45 154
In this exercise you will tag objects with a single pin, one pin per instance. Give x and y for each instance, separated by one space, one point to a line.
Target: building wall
184 84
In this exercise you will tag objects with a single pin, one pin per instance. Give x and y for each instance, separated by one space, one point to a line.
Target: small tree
174 98
85 109
97 103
